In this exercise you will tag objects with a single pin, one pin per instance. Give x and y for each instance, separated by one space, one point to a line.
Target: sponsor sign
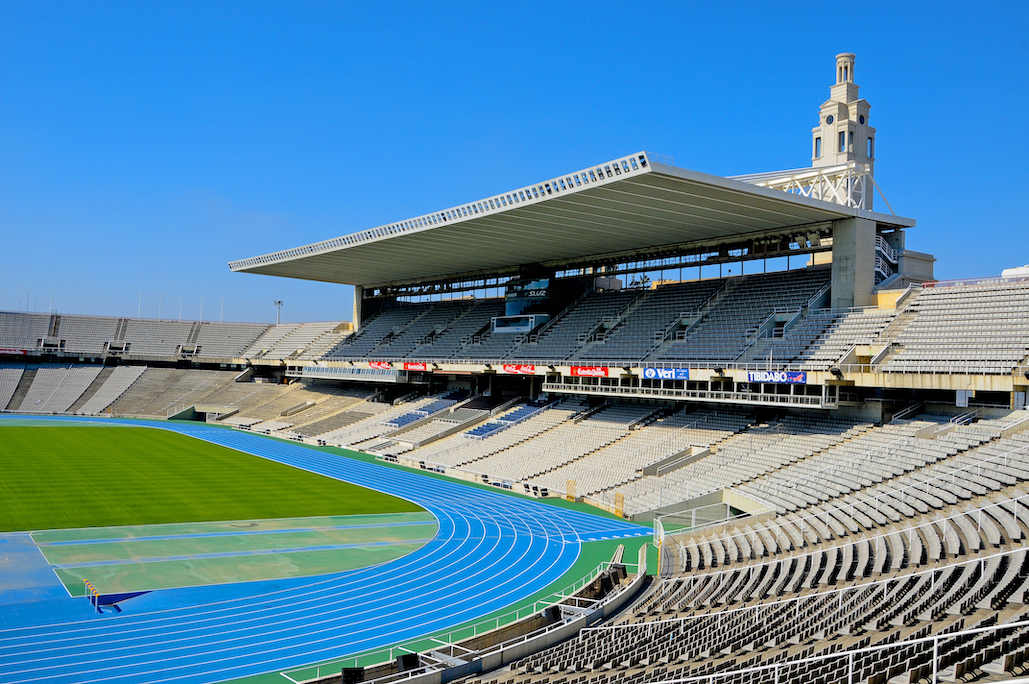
519 369
416 366
778 377
589 371
381 365
13 351
666 373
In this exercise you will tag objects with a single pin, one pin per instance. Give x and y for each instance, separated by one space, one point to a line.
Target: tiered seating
55 388
332 334
981 328
22 330
643 327
510 417
372 426
859 326
562 444
870 458
436 318
245 395
406 441
334 400
347 413
489 346
9 377
735 459
725 330
379 328
120 380
227 340
791 589
267 402
295 341
624 461
570 331
161 390
87 334
460 331
426 410
268 339
458 450
156 338
800 336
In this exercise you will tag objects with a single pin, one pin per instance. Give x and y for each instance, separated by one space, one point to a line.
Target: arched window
818 147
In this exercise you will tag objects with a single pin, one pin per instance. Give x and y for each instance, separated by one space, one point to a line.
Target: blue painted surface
491 550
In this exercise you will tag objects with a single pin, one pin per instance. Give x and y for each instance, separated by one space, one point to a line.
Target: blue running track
491 550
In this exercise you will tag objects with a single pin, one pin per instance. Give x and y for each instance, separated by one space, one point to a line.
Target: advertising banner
416 366
519 369
381 365
666 373
13 351
589 371
778 377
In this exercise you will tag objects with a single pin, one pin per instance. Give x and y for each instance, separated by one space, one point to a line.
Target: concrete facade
853 263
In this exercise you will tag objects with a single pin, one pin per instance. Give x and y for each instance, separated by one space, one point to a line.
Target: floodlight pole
278 308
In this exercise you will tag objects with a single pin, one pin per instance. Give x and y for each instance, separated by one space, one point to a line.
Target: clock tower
843 134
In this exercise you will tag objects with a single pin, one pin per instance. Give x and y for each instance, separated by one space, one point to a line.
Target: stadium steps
713 302
92 389
23 388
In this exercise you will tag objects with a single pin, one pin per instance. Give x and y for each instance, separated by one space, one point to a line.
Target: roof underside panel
651 205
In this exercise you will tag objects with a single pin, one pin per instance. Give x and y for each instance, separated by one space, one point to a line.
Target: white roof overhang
629 205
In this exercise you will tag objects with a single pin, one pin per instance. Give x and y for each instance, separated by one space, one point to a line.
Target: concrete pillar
853 262
358 297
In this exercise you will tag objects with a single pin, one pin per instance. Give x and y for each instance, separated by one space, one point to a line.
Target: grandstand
832 446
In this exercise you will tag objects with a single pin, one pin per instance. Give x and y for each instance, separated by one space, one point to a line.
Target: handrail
910 410
477 628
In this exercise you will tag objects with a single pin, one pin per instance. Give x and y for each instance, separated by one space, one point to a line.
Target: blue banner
779 377
666 373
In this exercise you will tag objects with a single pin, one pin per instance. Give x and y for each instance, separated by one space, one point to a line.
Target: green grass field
67 476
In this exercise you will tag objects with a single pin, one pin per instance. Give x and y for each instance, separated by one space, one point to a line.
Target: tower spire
843 134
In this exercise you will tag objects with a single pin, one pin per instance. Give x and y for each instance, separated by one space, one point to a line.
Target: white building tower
843 134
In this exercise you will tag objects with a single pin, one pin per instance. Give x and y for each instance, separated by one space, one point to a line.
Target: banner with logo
589 371
380 365
666 373
416 366
519 369
778 377
13 351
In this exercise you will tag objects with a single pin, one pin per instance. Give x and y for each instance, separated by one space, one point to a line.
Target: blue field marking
490 551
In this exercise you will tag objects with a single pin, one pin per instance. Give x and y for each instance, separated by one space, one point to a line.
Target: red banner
589 371
381 365
13 351
519 369
416 366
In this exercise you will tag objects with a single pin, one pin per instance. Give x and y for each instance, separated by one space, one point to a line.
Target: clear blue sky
145 145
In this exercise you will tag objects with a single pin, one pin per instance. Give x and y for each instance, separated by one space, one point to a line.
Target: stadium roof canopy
629 206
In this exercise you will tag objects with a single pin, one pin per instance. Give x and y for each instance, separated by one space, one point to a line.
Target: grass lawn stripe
71 477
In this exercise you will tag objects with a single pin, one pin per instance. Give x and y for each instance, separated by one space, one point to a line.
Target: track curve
491 550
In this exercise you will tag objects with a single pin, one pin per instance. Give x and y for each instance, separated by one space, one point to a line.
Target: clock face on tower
828 120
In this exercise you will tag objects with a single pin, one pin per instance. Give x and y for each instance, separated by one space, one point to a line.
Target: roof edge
584 179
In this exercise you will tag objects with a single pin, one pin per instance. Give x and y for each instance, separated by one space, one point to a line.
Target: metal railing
317 671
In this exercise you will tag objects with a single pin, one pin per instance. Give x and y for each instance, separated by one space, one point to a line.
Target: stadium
632 423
